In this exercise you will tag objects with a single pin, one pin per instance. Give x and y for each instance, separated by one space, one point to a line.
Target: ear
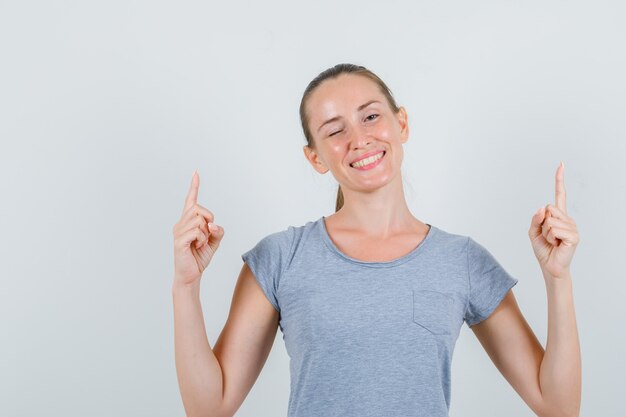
403 119
316 162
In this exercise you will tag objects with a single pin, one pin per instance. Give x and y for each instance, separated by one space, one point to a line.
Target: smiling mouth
368 161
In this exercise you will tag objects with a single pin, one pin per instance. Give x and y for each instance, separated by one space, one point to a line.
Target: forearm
198 370
560 371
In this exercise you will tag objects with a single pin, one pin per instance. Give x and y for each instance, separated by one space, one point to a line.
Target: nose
359 138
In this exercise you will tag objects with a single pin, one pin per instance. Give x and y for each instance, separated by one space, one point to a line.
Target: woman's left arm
548 381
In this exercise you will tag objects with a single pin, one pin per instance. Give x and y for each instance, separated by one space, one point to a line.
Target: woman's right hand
196 238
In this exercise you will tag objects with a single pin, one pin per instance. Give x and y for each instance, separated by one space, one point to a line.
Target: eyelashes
367 119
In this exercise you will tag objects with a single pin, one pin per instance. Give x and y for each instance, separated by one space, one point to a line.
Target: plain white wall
107 108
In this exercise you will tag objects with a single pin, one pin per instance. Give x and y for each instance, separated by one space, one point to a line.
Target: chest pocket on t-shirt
432 310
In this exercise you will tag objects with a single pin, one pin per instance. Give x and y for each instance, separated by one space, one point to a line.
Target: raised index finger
192 195
559 198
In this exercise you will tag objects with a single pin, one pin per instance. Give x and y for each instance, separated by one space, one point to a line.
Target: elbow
222 413
215 412
564 407
219 413
211 414
573 411
568 414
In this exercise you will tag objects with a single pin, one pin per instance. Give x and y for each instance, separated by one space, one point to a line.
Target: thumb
216 235
535 224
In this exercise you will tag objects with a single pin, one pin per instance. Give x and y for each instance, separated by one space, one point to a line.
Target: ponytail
339 203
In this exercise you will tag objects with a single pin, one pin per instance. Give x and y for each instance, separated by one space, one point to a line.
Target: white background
106 109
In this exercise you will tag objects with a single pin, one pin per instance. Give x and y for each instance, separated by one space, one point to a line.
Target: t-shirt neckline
380 264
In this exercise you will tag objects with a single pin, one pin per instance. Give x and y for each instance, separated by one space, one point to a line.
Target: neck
382 213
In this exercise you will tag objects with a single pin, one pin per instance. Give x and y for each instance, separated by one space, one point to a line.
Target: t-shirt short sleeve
267 261
489 283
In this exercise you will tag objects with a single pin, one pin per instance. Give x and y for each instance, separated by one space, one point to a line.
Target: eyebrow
361 107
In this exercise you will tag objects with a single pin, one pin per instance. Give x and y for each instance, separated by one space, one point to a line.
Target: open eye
373 114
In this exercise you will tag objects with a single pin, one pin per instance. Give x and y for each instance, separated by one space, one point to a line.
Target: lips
367 155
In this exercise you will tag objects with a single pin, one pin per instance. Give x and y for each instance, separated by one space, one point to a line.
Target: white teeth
368 160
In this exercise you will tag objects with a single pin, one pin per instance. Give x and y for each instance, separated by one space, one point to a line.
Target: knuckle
208 212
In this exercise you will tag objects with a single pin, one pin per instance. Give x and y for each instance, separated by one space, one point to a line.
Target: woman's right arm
214 382
198 370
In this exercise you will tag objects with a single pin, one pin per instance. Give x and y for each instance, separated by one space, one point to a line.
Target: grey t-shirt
374 338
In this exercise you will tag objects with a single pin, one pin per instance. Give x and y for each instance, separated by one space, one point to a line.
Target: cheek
335 148
335 153
383 131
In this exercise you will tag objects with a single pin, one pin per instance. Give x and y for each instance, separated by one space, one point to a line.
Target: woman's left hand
553 233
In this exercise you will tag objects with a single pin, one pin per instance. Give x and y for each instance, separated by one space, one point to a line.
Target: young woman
370 299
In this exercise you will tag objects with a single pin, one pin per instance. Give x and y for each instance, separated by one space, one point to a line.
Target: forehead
341 95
